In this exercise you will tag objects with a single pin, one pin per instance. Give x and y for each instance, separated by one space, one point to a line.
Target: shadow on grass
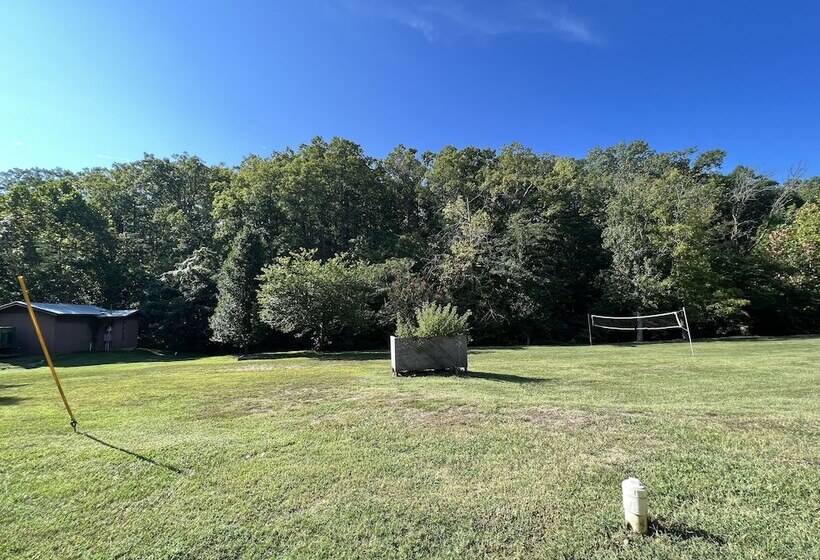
12 385
165 466
681 532
635 344
323 356
697 341
491 349
505 377
9 401
82 359
757 338
508 377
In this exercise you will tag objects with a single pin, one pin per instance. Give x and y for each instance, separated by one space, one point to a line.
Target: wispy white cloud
421 24
571 27
436 19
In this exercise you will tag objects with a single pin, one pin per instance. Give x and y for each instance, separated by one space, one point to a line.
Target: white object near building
635 510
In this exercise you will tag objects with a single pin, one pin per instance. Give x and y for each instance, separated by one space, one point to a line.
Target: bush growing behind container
432 319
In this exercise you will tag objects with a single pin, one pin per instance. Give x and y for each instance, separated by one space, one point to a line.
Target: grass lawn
299 456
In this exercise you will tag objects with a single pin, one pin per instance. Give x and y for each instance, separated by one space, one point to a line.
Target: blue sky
87 83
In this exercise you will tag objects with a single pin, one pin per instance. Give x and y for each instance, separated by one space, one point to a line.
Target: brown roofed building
68 328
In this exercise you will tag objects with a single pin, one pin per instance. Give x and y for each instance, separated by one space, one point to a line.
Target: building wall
124 334
24 336
71 334
128 335
67 334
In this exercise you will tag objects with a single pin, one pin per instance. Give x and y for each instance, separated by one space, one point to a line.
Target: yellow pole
39 333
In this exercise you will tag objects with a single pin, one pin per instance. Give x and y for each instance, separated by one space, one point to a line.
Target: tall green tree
253 197
235 321
180 304
795 248
50 234
160 211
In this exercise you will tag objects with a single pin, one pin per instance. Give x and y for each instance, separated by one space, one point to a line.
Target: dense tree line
329 245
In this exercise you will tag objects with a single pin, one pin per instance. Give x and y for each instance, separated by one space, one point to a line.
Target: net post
688 332
589 324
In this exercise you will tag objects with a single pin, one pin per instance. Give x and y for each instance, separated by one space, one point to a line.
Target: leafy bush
434 320
728 316
320 300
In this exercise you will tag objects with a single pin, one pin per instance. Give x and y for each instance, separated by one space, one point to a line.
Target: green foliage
432 319
159 211
797 245
401 288
529 242
810 190
50 234
795 248
235 319
320 300
727 315
179 307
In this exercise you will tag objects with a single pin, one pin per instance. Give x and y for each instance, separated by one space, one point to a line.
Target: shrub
434 320
320 300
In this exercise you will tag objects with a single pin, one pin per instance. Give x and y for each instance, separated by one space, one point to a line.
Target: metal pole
688 332
39 333
589 322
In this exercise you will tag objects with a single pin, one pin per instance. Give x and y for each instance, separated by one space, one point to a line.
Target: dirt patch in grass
269 367
565 419
461 415
575 420
430 412
285 400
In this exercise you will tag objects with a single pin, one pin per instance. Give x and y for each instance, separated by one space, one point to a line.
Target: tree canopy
328 244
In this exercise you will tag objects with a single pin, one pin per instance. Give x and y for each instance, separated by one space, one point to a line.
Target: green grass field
299 456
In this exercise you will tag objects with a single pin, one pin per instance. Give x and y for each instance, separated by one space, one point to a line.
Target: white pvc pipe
635 508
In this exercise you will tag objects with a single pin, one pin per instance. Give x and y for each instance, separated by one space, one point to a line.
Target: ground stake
46 354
